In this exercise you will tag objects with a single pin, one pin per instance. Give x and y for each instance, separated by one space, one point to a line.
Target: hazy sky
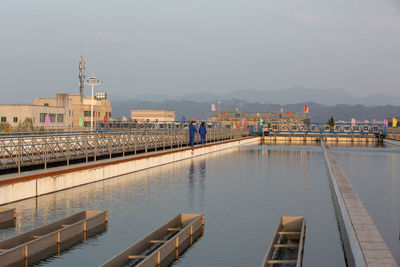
183 46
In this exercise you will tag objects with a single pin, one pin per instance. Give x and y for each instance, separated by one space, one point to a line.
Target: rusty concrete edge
117 161
348 229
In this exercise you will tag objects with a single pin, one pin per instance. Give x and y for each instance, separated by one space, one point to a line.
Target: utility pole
92 82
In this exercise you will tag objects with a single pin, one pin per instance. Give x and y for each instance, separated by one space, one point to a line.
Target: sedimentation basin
241 191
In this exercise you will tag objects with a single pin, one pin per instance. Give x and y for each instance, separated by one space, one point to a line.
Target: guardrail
322 128
17 152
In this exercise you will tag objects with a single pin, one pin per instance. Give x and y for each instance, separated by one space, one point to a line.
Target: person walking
203 132
192 133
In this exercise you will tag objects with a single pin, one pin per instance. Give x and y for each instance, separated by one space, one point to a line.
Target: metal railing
22 151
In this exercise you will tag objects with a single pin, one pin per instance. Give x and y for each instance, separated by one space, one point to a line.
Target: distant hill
201 110
292 95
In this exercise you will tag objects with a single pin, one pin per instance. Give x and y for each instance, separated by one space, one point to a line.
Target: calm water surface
242 193
375 175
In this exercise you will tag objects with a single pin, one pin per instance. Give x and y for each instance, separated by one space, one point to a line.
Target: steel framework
21 151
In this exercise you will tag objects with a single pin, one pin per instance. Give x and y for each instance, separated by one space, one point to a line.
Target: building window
15 119
86 123
46 104
86 113
52 117
3 119
43 117
60 118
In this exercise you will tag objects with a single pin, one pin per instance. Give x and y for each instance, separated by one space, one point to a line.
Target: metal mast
82 75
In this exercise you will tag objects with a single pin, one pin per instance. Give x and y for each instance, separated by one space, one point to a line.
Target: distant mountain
292 95
318 112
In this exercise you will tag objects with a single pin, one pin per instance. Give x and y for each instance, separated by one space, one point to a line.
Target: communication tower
82 75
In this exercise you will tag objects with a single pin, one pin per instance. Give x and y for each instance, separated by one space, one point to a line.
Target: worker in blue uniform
203 132
192 132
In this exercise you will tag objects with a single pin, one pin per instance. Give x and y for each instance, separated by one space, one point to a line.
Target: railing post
145 142
95 140
86 142
123 139
45 153
68 150
109 141
135 142
19 155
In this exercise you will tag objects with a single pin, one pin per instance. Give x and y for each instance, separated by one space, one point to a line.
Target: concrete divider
7 218
391 141
32 184
30 247
363 244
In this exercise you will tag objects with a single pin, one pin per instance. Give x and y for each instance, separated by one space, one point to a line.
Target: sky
185 46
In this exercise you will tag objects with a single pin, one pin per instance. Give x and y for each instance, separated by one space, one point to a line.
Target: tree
26 125
331 122
4 126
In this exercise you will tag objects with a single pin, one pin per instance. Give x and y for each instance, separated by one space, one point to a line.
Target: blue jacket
202 130
192 130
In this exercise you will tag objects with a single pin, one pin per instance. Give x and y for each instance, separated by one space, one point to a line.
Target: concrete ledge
364 245
36 183
391 141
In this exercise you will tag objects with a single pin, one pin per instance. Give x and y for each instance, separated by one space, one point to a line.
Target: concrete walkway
366 246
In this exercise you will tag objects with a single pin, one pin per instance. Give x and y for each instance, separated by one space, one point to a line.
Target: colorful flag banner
306 110
81 122
124 118
105 118
353 121
47 120
243 121
394 123
385 121
213 107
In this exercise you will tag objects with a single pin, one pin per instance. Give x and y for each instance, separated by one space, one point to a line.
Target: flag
219 107
243 121
81 122
394 124
306 109
353 121
105 118
47 120
123 118
213 107
385 121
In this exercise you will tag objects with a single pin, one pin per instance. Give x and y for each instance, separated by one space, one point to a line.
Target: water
375 175
242 192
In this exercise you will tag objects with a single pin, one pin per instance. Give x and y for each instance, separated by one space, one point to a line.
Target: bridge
238 170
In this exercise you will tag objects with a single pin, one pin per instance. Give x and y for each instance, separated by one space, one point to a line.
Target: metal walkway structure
29 150
321 128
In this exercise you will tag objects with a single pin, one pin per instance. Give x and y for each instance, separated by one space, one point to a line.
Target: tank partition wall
287 246
42 242
164 245
22 151
7 218
363 244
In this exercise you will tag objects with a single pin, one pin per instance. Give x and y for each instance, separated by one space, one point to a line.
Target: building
81 108
44 113
67 112
152 115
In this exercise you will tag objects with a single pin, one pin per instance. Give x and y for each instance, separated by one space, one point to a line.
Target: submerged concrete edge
30 186
363 244
391 141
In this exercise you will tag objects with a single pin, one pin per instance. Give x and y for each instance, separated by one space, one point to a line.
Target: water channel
242 192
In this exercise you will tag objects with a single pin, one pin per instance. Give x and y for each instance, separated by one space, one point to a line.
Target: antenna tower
82 75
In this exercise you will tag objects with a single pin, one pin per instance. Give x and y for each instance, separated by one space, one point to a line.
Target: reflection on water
375 177
242 193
